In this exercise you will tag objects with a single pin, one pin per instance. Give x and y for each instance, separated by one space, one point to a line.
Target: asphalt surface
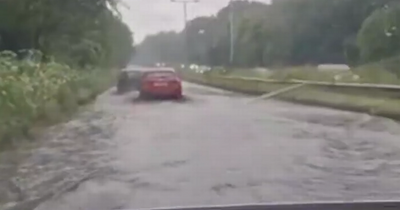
213 147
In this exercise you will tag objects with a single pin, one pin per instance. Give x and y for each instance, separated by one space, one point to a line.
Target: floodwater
213 147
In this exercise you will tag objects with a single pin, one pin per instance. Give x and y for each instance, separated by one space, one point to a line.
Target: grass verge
366 101
34 94
382 72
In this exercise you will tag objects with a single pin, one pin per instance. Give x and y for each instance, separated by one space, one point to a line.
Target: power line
185 3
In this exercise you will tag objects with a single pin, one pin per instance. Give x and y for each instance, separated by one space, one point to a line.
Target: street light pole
185 19
231 33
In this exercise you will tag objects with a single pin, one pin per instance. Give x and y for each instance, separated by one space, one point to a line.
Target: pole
231 33
186 52
185 14
185 19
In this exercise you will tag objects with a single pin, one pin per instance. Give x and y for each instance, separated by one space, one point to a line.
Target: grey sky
151 16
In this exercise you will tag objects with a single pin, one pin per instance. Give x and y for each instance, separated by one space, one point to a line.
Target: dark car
129 79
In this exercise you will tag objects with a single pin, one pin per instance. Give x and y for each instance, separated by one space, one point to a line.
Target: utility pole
185 19
231 33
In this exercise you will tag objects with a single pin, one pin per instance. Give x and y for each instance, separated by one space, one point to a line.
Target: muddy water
214 147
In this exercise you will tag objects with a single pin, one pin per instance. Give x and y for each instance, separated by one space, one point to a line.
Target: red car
161 83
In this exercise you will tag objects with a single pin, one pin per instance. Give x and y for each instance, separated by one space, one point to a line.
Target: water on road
214 147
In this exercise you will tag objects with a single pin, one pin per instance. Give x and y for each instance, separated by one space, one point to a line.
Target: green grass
378 73
36 94
369 100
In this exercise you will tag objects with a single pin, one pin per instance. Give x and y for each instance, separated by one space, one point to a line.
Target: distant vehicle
160 64
161 82
202 69
193 67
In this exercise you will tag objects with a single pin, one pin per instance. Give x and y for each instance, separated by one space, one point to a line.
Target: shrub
33 92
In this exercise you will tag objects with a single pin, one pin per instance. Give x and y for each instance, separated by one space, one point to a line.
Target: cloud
151 16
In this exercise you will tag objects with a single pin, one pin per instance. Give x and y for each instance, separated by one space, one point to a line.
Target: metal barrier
335 84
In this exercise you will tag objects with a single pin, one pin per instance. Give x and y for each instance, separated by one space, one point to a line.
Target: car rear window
133 74
157 75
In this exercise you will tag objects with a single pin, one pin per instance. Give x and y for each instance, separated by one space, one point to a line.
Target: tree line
285 32
75 32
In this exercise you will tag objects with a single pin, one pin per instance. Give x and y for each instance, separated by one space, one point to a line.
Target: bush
385 70
379 36
33 92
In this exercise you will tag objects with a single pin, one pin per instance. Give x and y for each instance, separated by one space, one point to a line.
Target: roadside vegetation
288 40
283 34
291 38
368 100
362 74
54 56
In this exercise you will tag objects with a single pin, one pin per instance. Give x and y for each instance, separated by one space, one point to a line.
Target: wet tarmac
213 147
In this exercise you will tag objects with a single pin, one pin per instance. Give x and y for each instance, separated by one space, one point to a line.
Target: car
129 79
160 82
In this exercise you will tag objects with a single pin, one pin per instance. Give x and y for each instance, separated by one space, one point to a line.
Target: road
214 147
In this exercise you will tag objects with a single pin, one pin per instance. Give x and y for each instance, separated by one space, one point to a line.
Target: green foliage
32 92
284 33
384 71
76 32
53 53
379 36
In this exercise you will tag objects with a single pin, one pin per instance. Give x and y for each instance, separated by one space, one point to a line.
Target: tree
77 32
286 32
379 36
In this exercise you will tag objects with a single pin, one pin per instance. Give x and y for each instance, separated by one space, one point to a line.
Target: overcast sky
151 16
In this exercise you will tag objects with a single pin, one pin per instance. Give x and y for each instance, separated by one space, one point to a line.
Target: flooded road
214 147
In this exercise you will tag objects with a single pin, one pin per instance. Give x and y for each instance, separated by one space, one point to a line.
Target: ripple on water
358 166
66 153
